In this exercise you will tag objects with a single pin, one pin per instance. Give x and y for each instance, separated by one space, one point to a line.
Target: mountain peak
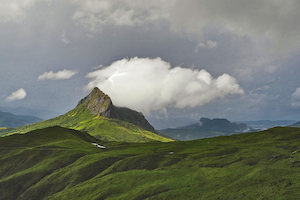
98 103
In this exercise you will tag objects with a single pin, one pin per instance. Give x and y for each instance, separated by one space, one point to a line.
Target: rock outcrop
98 103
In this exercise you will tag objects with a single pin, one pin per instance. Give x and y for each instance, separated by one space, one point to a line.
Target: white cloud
278 21
17 95
209 44
146 84
64 38
60 75
14 10
96 13
295 98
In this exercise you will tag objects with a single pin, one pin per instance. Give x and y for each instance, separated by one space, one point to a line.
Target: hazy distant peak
206 121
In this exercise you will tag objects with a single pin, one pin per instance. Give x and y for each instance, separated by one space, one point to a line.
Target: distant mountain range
96 115
266 124
206 128
37 112
11 121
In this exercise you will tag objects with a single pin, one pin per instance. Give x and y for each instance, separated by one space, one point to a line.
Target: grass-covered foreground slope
107 129
58 163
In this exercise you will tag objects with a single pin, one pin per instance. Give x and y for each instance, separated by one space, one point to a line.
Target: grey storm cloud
14 10
276 21
146 84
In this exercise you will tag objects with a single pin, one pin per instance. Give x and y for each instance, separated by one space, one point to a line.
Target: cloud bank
145 84
277 21
96 13
60 75
17 95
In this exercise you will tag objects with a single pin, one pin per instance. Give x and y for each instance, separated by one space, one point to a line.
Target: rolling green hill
59 163
97 115
11 121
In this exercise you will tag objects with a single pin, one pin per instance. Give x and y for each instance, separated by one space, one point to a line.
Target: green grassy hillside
58 163
106 129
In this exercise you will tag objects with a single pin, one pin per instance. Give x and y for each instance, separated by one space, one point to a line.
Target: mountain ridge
96 115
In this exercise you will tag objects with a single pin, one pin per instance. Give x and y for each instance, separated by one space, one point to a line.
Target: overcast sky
175 61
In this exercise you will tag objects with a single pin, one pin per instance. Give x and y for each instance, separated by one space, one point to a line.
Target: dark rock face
98 103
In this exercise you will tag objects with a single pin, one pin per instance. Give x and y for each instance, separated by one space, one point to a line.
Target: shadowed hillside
58 163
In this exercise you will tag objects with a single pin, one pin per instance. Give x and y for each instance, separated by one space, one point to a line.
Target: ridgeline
96 115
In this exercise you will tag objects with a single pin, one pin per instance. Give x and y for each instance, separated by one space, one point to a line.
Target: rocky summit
98 103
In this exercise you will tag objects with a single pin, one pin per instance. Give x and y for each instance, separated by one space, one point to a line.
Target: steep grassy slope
10 120
55 163
107 129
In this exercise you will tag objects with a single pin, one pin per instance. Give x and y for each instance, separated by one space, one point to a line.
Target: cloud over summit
146 84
